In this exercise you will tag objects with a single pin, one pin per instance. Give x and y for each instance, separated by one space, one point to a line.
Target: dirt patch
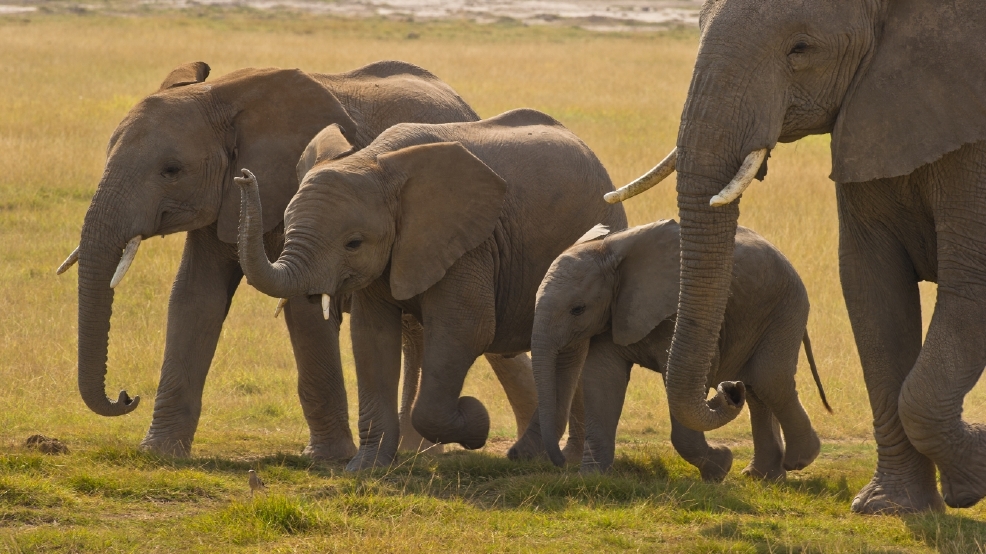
46 445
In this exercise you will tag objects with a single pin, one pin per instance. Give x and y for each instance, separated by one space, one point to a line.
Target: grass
66 81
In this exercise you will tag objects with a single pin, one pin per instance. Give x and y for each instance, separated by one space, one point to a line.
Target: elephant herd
380 192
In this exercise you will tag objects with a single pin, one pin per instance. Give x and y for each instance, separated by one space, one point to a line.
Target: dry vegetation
66 81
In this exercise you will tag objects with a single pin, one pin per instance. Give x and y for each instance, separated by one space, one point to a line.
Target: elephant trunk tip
733 394
554 454
123 405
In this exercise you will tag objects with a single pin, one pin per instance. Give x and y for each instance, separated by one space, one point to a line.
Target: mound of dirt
46 445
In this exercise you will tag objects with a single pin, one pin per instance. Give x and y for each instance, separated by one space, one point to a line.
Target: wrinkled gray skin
168 170
900 86
454 224
616 299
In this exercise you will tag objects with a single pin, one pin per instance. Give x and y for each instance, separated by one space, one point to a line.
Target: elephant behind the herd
901 86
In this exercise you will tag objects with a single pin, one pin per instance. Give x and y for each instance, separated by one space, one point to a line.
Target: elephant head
625 283
414 210
889 79
168 170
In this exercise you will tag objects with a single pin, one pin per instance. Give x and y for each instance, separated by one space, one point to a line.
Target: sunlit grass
66 81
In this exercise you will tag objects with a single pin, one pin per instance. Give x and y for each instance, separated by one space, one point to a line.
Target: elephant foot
412 441
167 446
798 454
468 426
775 473
369 458
528 447
330 451
573 450
887 494
716 464
963 484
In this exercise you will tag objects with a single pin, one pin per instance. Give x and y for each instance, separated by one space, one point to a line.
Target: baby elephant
607 304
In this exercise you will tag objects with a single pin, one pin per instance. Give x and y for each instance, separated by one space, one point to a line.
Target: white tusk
747 171
129 252
326 302
280 306
69 262
648 180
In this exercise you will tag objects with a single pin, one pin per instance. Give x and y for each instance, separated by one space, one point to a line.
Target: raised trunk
278 279
99 253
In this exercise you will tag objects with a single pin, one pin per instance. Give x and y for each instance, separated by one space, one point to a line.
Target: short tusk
648 180
280 306
326 304
747 171
129 252
69 262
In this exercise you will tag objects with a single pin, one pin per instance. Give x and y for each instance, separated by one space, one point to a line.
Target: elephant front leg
321 387
605 376
882 298
200 298
768 448
376 333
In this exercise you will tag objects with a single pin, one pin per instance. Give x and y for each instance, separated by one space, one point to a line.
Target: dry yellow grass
65 82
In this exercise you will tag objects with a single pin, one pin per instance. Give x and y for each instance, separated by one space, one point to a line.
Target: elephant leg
880 288
575 445
954 352
768 448
605 376
713 463
200 298
413 347
321 388
517 378
376 334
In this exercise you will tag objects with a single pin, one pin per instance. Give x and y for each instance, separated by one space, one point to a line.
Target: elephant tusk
326 304
129 252
747 171
69 262
648 180
280 306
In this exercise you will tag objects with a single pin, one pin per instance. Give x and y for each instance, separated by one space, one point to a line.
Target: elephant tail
814 371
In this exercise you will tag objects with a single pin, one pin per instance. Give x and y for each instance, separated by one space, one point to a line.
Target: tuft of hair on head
597 232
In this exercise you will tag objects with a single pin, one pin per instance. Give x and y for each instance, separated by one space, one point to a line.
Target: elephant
453 223
169 169
900 87
609 302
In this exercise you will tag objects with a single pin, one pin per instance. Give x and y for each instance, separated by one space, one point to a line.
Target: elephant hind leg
517 378
768 448
412 344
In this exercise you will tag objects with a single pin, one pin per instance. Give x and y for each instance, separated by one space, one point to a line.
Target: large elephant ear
921 95
328 144
647 273
449 203
186 74
275 113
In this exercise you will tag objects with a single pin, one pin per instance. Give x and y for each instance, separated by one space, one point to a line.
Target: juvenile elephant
169 169
612 303
900 86
455 224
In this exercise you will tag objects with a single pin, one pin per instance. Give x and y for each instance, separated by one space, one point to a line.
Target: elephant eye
578 310
800 48
354 244
171 171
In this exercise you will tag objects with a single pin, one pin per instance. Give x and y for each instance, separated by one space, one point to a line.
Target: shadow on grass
948 533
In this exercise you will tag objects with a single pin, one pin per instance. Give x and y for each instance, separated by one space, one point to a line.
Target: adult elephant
169 169
901 85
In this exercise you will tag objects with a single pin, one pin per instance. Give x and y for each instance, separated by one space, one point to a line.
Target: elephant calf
454 224
606 304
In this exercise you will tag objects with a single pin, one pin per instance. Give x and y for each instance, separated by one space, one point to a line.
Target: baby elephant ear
647 276
328 144
449 203
186 74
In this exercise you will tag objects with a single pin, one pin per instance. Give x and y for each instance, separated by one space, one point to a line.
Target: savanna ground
67 80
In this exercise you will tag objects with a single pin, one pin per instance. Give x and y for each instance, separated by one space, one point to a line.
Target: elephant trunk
100 252
544 358
279 279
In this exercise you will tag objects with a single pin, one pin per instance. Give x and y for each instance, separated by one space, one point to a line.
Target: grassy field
65 83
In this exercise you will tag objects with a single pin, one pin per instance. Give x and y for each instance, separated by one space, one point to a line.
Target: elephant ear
921 95
186 74
449 203
275 113
647 274
328 144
